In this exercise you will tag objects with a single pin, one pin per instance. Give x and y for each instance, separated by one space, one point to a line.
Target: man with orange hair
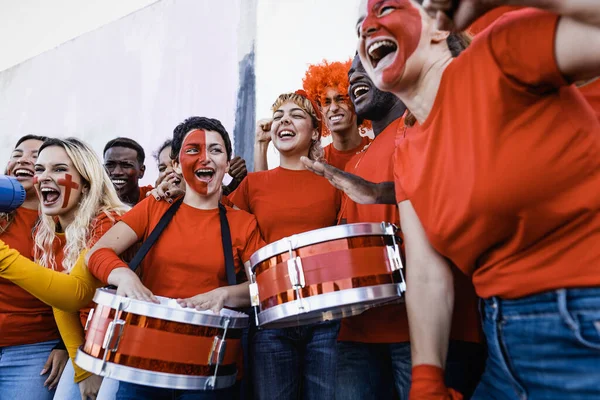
327 83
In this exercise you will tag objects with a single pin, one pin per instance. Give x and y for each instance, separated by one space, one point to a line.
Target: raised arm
261 144
429 302
48 285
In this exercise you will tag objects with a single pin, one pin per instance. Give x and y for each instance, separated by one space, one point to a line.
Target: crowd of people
485 151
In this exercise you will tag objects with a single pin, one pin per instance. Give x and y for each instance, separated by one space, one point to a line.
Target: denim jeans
20 368
545 346
132 391
67 389
296 363
372 371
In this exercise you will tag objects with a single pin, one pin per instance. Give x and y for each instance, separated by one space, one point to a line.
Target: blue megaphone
12 194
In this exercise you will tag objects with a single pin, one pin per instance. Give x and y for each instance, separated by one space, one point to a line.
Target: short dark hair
166 143
128 143
30 137
209 124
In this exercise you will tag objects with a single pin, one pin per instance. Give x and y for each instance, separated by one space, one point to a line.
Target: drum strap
162 224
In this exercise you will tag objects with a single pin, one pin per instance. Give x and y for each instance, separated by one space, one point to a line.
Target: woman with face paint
292 362
78 204
187 261
30 362
499 178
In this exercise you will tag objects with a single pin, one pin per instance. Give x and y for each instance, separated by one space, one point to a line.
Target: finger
52 377
47 365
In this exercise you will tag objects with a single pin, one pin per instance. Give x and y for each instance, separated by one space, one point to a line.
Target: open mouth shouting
49 195
23 173
336 118
285 134
118 182
381 50
358 90
205 174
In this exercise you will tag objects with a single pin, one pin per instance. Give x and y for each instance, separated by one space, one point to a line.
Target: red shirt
591 91
505 171
389 324
339 158
23 318
286 202
188 257
144 190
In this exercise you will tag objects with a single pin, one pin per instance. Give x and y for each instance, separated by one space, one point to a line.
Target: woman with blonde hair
299 361
78 204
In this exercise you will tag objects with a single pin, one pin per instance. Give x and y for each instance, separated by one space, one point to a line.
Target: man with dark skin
124 162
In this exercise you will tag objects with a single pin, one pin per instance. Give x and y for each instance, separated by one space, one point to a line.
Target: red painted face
193 158
398 20
68 183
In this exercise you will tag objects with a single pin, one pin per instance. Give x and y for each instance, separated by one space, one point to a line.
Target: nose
369 26
285 119
334 106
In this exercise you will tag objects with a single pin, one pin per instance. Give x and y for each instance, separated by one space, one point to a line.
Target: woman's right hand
129 285
263 131
90 386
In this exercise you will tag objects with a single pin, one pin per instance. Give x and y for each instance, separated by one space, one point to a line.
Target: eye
277 118
191 150
298 115
216 151
38 170
162 168
60 169
386 10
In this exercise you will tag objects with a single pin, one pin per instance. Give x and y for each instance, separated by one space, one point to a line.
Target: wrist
119 275
261 145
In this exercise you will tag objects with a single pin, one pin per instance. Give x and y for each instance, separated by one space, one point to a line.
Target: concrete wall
137 77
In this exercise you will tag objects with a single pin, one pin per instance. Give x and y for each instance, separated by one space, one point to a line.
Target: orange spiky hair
333 75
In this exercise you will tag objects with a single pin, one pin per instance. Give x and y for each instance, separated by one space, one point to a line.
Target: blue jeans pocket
587 329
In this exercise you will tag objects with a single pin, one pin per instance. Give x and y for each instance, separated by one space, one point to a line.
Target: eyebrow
54 165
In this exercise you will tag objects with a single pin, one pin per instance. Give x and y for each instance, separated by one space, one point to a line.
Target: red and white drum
326 274
162 345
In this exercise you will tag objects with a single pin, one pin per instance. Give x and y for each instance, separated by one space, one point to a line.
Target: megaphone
12 194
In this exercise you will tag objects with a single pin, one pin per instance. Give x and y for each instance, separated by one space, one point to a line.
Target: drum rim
109 298
150 378
321 235
343 298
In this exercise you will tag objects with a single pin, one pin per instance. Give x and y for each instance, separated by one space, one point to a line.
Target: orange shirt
286 202
144 191
591 91
339 158
389 324
188 257
23 318
489 18
505 171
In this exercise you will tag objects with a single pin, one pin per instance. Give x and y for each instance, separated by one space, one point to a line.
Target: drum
326 274
162 345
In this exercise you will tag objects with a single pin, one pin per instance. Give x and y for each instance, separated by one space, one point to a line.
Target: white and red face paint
193 156
69 185
399 19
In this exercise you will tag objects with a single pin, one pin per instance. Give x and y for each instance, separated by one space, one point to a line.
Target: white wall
136 77
292 34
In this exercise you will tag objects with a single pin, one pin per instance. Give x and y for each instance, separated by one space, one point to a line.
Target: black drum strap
148 243
227 247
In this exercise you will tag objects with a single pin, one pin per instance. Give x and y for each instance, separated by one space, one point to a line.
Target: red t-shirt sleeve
138 217
101 225
254 241
522 44
240 196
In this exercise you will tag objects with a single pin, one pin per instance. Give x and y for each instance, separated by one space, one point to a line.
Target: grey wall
138 77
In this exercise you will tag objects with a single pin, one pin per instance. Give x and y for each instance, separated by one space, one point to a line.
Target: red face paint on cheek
36 179
192 157
401 20
68 183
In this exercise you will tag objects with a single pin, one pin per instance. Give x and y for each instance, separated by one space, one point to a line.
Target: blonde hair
100 197
315 151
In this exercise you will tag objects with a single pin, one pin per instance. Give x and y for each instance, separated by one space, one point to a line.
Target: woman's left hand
213 300
55 365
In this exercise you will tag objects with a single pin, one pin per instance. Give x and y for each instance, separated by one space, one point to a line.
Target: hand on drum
90 386
213 300
129 285
358 189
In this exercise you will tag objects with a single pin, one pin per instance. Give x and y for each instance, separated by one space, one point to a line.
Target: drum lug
254 299
296 273
110 333
89 319
216 355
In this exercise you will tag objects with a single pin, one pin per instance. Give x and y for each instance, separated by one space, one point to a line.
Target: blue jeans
20 368
294 363
545 346
372 371
67 389
132 391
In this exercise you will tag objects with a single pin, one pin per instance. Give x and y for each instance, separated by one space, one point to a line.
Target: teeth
23 172
47 190
205 171
286 133
118 181
377 45
336 118
360 88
